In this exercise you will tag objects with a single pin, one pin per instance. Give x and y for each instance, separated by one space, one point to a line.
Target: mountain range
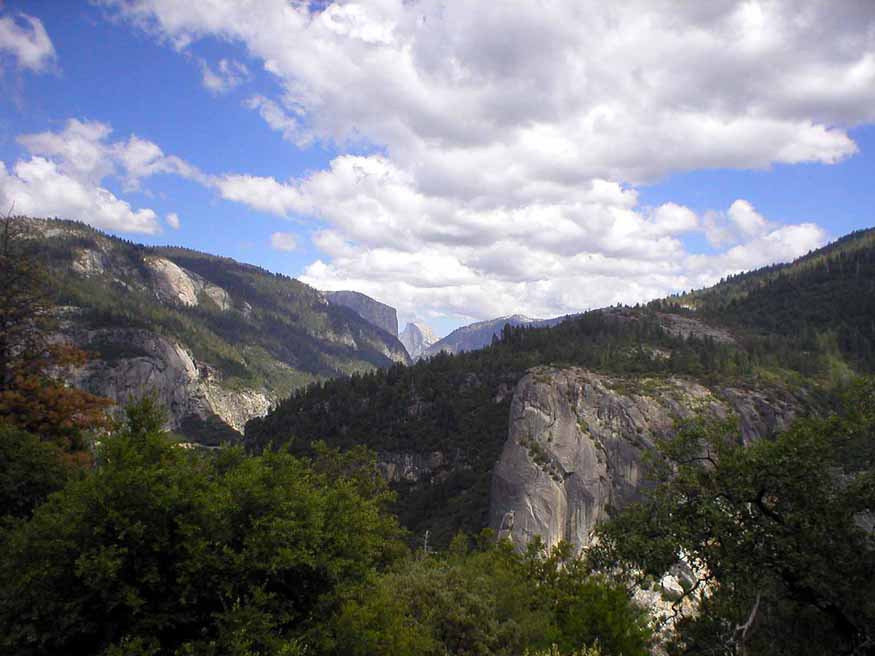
216 341
503 423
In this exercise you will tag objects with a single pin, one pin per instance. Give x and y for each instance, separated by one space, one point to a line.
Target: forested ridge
779 317
288 327
823 301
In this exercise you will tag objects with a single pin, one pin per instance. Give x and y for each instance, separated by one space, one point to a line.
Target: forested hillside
823 302
235 336
459 404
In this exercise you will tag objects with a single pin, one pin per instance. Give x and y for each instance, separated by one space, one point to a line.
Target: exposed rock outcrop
173 284
134 362
417 337
139 311
411 467
379 314
576 441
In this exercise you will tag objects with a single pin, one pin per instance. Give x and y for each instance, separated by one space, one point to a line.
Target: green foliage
163 550
492 602
800 315
30 470
777 529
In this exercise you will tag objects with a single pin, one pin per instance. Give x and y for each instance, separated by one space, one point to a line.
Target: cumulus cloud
38 187
513 136
26 39
283 241
644 88
65 173
385 237
279 120
228 74
172 219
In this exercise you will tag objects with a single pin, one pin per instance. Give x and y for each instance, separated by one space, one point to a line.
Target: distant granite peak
417 338
373 311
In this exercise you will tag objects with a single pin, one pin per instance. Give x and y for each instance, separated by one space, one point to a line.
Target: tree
490 602
164 550
776 531
33 395
30 470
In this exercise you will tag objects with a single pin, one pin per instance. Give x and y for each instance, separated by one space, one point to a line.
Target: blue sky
436 157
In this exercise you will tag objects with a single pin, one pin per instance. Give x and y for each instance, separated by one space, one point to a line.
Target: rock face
379 314
136 362
412 467
173 284
417 337
476 335
576 439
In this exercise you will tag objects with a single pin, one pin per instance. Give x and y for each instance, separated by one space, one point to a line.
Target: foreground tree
489 602
780 532
30 470
162 550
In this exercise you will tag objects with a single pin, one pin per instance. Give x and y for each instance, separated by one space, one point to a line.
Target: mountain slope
448 417
218 341
475 335
821 304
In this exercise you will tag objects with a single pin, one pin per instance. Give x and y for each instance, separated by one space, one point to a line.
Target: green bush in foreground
493 601
162 550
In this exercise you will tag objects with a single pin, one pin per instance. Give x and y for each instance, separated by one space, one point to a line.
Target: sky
457 160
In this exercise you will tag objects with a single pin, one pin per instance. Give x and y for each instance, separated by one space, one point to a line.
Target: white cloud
79 149
38 187
264 194
387 238
228 74
172 219
746 218
278 119
82 150
283 241
26 39
513 136
558 92
66 170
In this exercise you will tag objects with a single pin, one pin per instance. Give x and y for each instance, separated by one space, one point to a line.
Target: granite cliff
379 314
417 338
576 440
476 335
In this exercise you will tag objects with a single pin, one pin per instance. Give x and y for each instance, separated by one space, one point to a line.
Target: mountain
417 337
217 341
381 315
822 303
575 406
475 335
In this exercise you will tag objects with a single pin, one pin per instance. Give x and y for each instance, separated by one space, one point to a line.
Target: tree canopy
779 533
